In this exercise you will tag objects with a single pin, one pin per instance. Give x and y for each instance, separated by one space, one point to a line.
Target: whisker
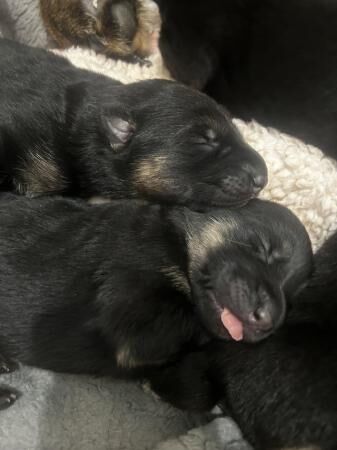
244 244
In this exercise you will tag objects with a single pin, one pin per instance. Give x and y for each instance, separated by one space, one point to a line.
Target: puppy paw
146 386
185 384
7 365
8 396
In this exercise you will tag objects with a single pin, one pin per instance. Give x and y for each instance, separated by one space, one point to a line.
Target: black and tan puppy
127 29
65 130
283 391
119 289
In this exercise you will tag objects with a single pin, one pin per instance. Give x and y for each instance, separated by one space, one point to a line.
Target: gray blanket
66 412
20 20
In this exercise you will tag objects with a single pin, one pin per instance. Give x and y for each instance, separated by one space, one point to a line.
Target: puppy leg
7 365
8 396
185 384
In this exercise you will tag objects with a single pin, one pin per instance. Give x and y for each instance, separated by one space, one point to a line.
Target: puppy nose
257 172
259 182
261 318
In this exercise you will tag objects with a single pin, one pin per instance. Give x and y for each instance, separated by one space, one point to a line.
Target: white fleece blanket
59 412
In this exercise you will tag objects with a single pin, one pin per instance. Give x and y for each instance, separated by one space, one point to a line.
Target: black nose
261 318
257 173
259 182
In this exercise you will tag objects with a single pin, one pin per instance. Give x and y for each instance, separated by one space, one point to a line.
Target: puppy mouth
232 199
233 325
237 328
238 202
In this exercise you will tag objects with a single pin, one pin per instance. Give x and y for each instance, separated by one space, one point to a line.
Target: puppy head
243 263
162 141
186 149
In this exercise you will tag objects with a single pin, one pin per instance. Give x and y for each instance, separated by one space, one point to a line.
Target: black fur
271 60
65 130
122 288
283 391
213 32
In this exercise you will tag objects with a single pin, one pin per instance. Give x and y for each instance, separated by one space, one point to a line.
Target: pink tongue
232 324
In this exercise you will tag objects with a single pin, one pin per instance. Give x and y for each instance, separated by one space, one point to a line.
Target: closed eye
269 256
204 141
206 145
205 279
208 137
280 257
263 251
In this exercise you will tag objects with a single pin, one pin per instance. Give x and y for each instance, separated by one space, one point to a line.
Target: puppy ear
119 130
124 14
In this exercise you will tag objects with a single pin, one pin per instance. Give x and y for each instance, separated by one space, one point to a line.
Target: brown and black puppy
283 391
123 288
127 29
66 130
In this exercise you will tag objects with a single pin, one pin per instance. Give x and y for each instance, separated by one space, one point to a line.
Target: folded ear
119 130
124 14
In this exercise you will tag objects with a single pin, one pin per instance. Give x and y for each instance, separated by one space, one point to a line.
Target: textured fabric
220 434
65 412
6 22
20 20
300 177
119 70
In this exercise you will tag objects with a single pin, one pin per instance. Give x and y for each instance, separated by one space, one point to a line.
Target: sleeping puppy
66 130
125 29
282 392
122 288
